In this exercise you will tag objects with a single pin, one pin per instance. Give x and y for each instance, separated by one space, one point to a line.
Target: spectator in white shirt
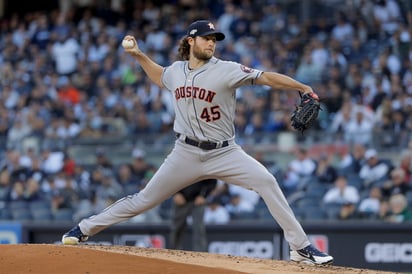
387 15
299 171
342 193
343 31
249 197
216 213
359 129
64 52
237 205
370 205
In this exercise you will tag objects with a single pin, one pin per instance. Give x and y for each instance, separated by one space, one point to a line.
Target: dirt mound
46 258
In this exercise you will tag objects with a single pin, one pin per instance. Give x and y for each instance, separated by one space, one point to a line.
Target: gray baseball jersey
205 97
204 101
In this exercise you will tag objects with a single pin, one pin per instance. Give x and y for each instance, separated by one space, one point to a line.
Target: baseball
127 44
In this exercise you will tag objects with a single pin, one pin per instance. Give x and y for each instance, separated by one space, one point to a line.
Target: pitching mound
46 258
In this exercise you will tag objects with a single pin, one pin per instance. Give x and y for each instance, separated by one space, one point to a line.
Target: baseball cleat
310 255
74 236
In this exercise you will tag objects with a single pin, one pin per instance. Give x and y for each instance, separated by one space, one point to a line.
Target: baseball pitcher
203 89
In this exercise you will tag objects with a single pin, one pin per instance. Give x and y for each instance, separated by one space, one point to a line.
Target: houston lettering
195 92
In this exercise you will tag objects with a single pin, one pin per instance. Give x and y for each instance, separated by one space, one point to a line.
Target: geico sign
253 249
388 252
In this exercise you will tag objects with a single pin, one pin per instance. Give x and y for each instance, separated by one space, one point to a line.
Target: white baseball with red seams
127 44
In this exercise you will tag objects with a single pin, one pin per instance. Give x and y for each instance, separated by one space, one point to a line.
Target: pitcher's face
203 47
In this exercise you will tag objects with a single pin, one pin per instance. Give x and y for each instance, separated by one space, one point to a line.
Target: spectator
384 210
386 15
249 197
396 184
68 93
341 119
108 188
17 132
68 128
347 211
374 169
126 179
359 129
102 159
9 96
343 31
357 52
398 209
140 167
226 19
308 71
83 178
325 172
41 32
64 193
69 165
17 191
256 126
27 157
64 52
216 213
300 169
33 191
52 161
319 54
370 205
341 193
237 206
352 159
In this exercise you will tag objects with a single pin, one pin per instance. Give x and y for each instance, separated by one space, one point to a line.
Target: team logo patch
246 69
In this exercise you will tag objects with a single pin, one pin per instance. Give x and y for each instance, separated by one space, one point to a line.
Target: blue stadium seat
18 205
308 201
314 213
40 204
5 214
332 211
64 214
41 214
20 214
244 216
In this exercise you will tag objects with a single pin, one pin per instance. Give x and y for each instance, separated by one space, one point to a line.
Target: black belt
206 145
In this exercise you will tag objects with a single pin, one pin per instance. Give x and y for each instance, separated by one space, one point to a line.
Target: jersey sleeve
240 75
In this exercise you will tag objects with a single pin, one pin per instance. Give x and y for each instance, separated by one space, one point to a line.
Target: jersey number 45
210 114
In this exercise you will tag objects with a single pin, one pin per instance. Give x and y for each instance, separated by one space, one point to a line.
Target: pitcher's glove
306 112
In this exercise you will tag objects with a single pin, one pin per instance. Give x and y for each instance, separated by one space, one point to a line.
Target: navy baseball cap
204 28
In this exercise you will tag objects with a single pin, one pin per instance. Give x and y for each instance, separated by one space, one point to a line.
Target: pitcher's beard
201 55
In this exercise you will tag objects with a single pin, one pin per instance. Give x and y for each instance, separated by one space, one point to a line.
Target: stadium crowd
64 75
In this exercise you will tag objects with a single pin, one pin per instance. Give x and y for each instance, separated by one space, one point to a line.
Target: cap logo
211 26
193 32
